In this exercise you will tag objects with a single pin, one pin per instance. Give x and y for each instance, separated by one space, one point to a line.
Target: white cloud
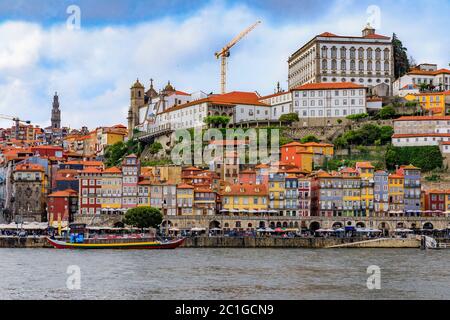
93 68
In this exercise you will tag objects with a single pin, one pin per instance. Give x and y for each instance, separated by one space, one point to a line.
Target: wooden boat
117 244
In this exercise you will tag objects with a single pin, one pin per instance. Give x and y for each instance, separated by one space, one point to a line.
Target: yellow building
317 148
185 199
351 192
396 192
431 102
366 171
107 136
276 191
244 198
162 173
111 189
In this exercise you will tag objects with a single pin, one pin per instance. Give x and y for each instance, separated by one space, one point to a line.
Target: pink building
130 179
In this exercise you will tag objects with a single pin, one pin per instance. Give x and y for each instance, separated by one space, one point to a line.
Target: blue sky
119 41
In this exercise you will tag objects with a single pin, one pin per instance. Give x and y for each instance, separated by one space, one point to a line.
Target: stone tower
137 100
56 113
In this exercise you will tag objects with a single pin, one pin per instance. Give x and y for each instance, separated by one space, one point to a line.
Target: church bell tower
56 113
137 100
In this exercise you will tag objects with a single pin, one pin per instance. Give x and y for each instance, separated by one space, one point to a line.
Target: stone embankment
249 242
274 242
30 242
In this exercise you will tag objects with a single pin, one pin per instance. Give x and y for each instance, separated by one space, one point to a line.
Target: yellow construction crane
225 53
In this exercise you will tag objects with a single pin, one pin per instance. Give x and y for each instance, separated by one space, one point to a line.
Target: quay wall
249 242
274 242
30 242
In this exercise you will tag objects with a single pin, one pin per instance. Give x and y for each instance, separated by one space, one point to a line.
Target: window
324 52
361 53
333 65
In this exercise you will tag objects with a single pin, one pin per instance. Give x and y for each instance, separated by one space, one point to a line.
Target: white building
281 103
366 60
374 104
330 100
422 74
416 131
239 106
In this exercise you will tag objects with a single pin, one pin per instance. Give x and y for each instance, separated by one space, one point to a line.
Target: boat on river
117 244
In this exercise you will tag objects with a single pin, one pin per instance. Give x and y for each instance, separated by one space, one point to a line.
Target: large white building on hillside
319 101
365 60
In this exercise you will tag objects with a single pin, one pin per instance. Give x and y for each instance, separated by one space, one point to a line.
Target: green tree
369 133
309 138
289 117
387 112
340 142
357 117
386 133
155 147
217 121
116 152
401 62
143 217
426 157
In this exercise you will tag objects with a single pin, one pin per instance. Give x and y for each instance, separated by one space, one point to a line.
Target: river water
225 274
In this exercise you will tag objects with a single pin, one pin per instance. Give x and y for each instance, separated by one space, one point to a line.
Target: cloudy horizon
93 68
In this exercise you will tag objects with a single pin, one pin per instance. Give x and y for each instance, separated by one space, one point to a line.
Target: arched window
352 65
378 53
343 65
386 54
343 52
333 52
378 66
369 65
361 53
361 65
369 53
324 52
352 53
386 66
324 64
333 65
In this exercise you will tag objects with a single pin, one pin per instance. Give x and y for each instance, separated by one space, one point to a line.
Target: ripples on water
225 274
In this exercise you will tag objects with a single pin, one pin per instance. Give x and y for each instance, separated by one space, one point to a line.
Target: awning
197 229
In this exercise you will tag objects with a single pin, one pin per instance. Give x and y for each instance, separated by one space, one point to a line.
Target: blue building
381 192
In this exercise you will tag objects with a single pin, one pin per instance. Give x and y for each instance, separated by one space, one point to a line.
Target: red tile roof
426 72
29 167
370 36
185 186
65 193
329 85
423 118
231 98
113 170
364 164
413 135
91 170
245 190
